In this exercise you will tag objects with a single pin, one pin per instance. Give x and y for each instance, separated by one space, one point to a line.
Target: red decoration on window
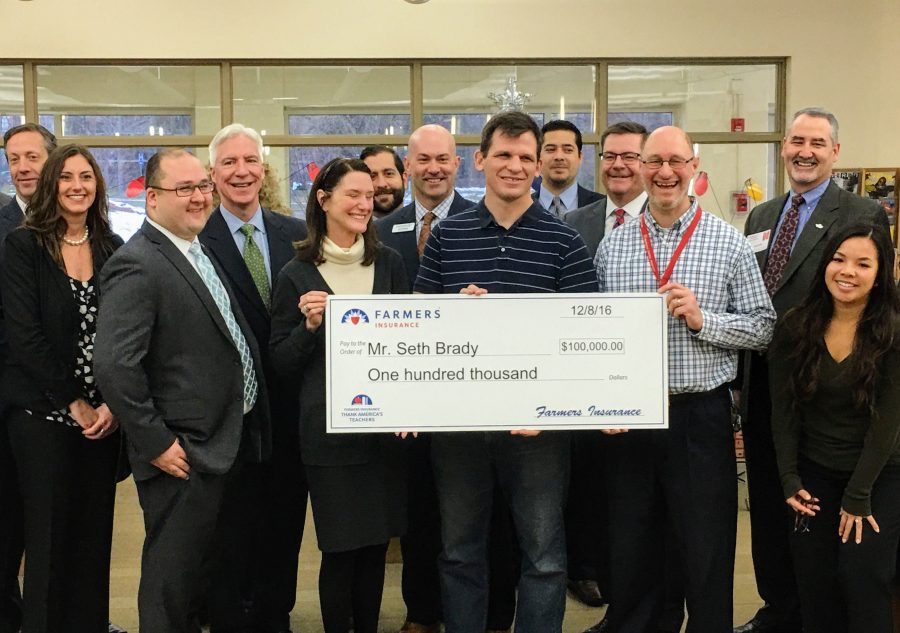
313 170
135 187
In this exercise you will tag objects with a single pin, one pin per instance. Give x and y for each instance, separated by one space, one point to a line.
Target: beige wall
843 56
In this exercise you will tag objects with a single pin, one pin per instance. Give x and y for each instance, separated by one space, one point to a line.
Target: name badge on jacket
759 241
404 228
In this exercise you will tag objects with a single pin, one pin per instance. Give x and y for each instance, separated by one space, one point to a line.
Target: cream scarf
343 270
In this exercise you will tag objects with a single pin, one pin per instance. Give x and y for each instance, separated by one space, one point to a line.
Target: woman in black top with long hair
64 439
835 379
357 483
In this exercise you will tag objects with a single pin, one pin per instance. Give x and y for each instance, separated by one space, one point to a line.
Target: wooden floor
129 535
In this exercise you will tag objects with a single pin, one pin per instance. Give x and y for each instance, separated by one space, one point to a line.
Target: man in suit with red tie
252 244
586 514
788 234
620 157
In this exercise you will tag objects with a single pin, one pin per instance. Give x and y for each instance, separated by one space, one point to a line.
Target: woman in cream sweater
356 481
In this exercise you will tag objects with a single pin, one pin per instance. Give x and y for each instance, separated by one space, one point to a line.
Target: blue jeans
533 474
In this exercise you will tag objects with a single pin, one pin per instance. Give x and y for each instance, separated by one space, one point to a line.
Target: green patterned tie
254 260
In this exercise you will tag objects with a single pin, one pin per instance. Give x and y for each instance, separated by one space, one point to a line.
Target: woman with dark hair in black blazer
64 439
835 379
356 481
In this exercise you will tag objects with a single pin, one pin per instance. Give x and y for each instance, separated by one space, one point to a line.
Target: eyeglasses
185 191
627 157
675 163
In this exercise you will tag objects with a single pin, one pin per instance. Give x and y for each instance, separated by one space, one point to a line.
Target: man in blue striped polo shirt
507 243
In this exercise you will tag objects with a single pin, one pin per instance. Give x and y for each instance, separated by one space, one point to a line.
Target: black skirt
360 504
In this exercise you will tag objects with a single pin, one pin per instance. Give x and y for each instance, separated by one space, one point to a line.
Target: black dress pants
284 496
775 581
586 510
11 536
68 486
681 479
847 587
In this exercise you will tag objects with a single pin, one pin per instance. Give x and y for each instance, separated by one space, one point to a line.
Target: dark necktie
780 252
425 231
253 259
620 218
557 207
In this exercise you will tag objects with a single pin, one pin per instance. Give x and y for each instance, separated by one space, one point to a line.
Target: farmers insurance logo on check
355 316
406 318
362 410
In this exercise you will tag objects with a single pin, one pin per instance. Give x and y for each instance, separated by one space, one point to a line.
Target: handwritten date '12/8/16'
592 346
591 310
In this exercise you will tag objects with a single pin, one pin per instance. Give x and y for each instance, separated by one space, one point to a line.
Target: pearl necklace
76 242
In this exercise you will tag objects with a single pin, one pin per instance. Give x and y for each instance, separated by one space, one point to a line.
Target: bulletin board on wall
875 183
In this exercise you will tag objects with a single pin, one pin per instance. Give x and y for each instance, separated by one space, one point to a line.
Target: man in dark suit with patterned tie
26 148
180 368
561 157
251 245
788 234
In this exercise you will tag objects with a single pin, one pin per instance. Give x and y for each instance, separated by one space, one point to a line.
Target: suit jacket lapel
815 229
767 222
281 247
407 239
599 212
221 243
459 204
191 276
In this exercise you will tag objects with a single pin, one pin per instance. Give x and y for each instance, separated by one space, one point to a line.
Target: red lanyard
645 234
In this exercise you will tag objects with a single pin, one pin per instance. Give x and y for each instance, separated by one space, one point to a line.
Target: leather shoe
114 628
601 627
760 626
586 592
415 627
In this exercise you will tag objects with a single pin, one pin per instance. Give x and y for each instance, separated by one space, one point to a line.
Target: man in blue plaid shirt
684 476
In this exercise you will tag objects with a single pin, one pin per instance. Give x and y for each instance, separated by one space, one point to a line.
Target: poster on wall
881 186
848 180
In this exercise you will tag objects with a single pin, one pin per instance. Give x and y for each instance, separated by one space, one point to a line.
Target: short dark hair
310 249
562 124
49 138
153 169
374 150
624 127
512 124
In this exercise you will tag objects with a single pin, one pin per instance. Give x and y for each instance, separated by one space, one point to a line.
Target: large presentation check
496 362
